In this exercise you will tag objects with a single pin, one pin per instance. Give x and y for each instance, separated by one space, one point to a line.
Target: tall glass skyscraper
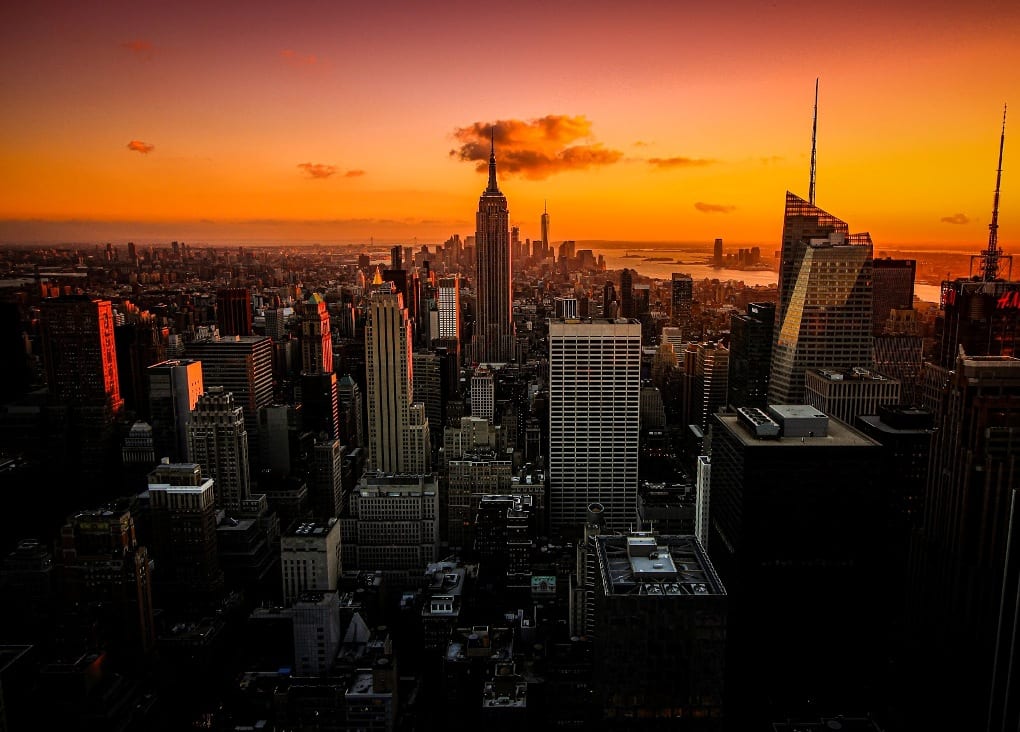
494 294
825 299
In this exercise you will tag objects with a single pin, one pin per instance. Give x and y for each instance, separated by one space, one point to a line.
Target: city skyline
650 124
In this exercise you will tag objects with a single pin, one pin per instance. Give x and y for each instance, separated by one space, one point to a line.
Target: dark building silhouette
15 374
681 298
627 293
963 557
233 311
796 526
893 283
320 404
751 355
493 329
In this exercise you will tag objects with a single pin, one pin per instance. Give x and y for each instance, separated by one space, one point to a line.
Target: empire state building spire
492 188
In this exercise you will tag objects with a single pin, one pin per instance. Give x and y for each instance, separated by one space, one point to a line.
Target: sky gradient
647 121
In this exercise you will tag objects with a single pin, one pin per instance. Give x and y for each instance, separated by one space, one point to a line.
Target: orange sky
637 121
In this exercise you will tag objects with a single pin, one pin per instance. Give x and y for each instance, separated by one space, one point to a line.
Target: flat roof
839 434
665 565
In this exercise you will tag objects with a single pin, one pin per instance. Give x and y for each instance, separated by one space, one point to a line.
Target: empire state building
494 324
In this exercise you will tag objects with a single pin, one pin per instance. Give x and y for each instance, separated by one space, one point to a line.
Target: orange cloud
535 148
318 170
957 218
714 207
138 47
298 60
354 173
140 147
667 163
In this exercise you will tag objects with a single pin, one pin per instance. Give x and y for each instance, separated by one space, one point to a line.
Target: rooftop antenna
990 257
814 139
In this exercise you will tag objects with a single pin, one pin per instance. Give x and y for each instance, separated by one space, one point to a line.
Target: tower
681 297
594 419
825 320
396 425
174 388
233 311
751 355
316 343
545 233
218 441
893 289
627 293
494 322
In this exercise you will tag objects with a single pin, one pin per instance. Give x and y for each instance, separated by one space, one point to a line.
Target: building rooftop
665 565
837 434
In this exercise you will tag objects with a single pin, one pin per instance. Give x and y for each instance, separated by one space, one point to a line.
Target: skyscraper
627 293
174 388
396 425
825 314
893 289
751 355
233 311
316 343
218 441
494 296
449 309
545 233
594 416
681 297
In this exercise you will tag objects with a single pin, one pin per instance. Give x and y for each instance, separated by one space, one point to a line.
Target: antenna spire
991 255
492 188
814 139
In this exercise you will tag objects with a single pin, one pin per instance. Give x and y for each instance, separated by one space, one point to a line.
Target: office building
449 309
797 516
310 558
320 403
279 437
398 430
349 394
711 378
316 341
218 441
565 307
174 388
681 298
242 365
827 320
494 328
893 289
483 394
660 632
845 394
751 355
469 477
545 234
594 420
234 312
627 293
428 389
328 480
317 632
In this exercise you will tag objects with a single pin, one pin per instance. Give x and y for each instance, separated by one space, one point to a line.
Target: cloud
138 47
354 173
299 60
534 148
641 143
318 170
714 207
957 218
140 147
769 160
679 162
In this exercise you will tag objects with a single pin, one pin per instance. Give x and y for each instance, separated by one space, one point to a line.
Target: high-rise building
317 632
242 365
279 431
316 343
711 381
184 546
174 388
428 389
545 234
310 558
751 355
797 515
971 483
320 403
826 320
893 286
234 312
449 309
494 291
483 394
594 420
218 441
660 631
327 491
845 394
349 394
398 439
681 298
627 293
717 253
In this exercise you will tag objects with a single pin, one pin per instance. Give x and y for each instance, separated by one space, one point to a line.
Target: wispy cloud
722 208
140 147
957 218
642 143
299 60
679 162
354 173
318 170
535 148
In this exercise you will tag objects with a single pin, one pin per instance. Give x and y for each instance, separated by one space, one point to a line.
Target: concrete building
174 388
594 421
844 394
218 441
317 632
310 558
483 394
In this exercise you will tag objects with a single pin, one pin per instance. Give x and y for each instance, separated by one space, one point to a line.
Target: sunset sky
662 121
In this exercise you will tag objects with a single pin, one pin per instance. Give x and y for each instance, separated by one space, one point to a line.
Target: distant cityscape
506 481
